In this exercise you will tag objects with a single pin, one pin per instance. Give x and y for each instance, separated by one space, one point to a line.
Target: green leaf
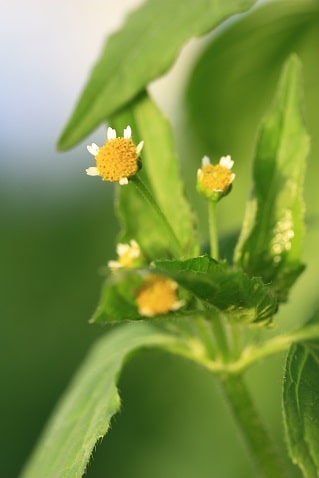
160 173
270 243
83 416
238 96
117 298
144 49
300 400
242 298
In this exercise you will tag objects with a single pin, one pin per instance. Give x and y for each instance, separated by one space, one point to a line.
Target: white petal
93 149
139 147
127 132
226 162
92 171
205 161
173 284
110 133
232 177
146 311
178 304
135 250
123 181
134 253
122 249
114 264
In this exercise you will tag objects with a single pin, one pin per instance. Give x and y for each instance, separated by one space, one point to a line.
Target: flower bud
215 180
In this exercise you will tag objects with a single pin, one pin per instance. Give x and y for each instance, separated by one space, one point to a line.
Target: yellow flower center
129 255
126 260
117 159
215 177
157 295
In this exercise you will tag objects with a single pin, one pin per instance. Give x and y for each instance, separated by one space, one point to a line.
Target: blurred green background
58 231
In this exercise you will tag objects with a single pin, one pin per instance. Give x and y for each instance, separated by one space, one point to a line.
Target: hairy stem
256 436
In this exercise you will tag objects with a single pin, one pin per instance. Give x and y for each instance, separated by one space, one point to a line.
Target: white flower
129 255
214 180
118 159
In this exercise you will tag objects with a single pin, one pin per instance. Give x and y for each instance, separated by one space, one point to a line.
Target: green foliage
270 243
269 248
300 399
139 53
220 301
243 299
160 173
117 298
83 416
216 292
232 82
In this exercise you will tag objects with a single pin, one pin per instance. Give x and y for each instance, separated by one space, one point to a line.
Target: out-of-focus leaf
301 401
117 298
244 299
84 413
234 79
160 173
270 243
141 51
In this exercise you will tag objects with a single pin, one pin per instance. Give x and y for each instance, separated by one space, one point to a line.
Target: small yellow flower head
129 256
118 159
214 180
157 295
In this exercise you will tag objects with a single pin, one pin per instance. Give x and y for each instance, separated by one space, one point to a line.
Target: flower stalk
213 236
214 181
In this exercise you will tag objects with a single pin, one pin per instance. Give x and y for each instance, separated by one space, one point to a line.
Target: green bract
271 238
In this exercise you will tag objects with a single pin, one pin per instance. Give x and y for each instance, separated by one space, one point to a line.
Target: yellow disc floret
129 256
215 177
157 295
117 159
214 180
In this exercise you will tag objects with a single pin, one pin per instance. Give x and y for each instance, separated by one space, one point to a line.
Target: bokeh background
58 228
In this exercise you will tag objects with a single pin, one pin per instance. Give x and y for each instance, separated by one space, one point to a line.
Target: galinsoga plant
163 289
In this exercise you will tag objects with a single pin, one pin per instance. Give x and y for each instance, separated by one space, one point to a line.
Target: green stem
217 339
253 353
236 341
281 343
205 334
220 334
213 230
256 436
143 190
